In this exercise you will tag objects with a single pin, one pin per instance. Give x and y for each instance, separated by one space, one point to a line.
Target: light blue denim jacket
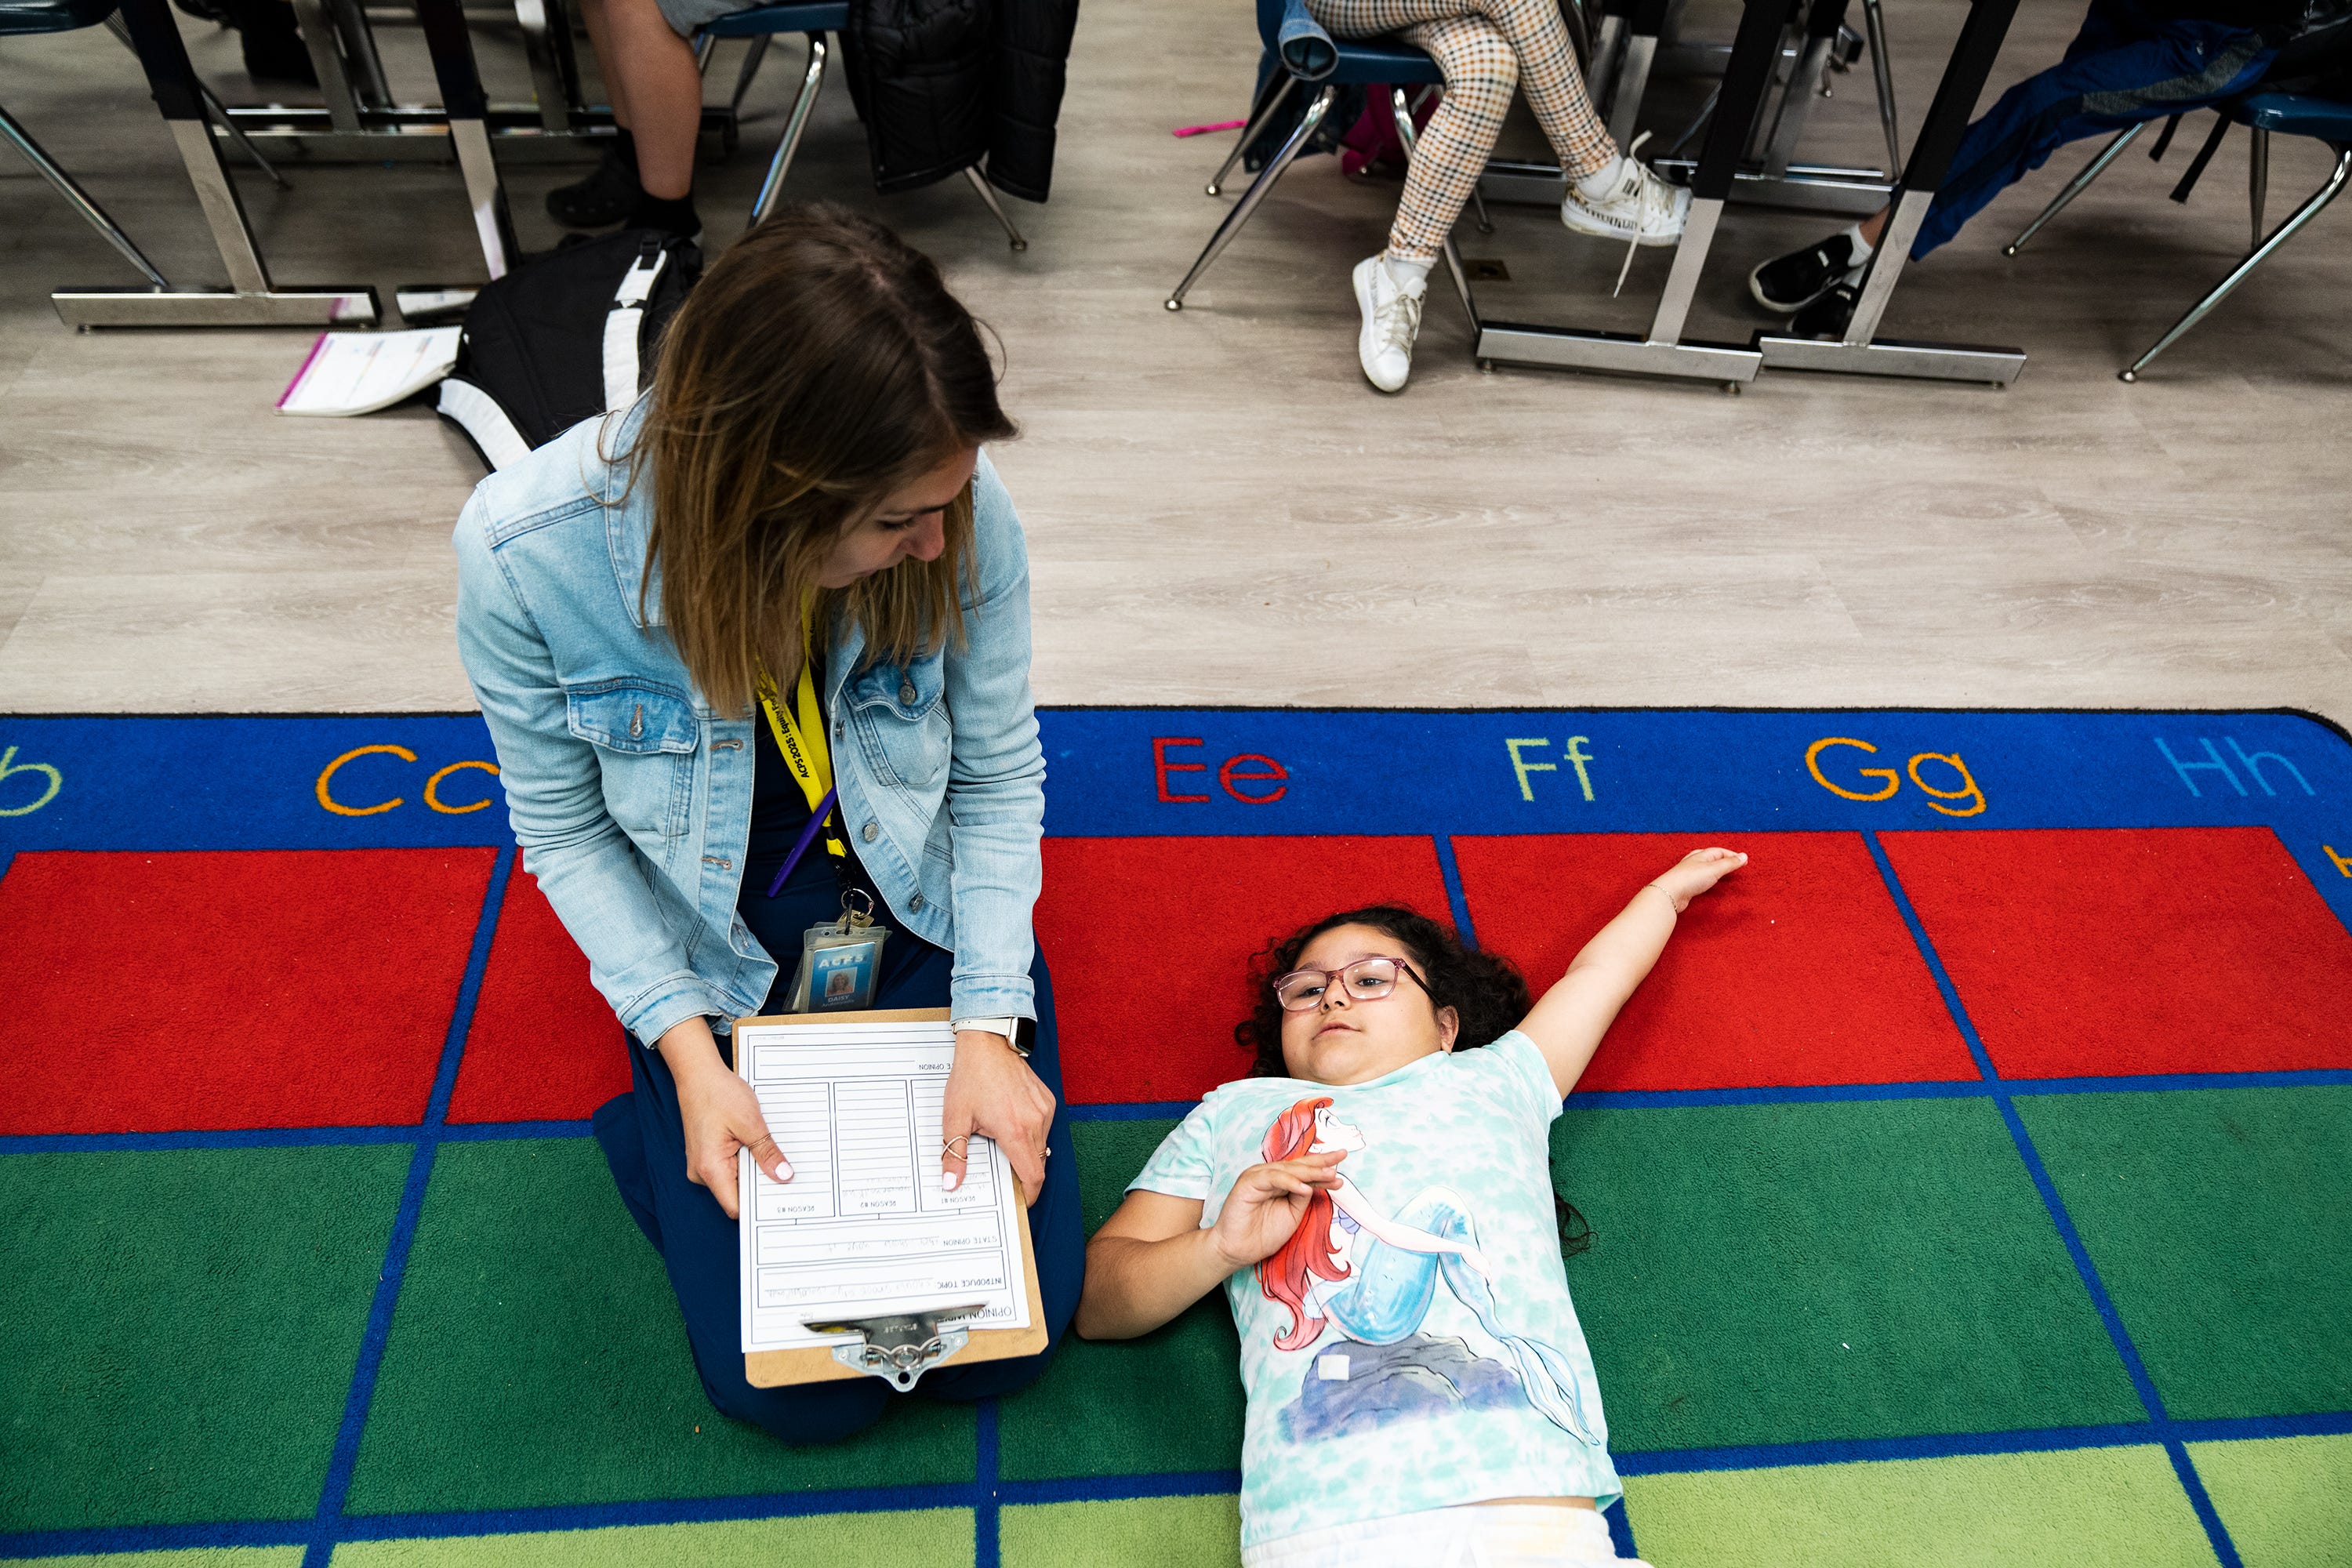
632 799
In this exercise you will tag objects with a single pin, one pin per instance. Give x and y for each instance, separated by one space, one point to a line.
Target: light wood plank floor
1219 508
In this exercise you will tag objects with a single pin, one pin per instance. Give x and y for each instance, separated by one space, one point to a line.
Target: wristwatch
1008 1028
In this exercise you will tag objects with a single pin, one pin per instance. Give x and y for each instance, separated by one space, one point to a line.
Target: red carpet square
1150 939
543 1044
257 988
2155 950
1798 969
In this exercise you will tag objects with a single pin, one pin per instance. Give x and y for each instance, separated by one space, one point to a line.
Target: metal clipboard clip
900 1349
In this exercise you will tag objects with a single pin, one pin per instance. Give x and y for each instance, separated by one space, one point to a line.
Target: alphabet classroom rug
1971 1183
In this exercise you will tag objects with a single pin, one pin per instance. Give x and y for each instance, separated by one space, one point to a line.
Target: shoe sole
1619 236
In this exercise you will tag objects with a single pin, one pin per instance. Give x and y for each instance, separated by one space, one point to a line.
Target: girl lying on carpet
1372 1158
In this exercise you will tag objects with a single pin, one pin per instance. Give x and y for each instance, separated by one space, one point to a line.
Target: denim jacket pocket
647 737
903 721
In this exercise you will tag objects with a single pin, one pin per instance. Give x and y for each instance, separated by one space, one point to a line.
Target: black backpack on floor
565 337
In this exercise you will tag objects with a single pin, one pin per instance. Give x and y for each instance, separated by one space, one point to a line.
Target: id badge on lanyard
841 960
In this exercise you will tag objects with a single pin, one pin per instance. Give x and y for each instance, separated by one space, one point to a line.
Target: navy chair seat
2296 114
1363 60
761 21
18 17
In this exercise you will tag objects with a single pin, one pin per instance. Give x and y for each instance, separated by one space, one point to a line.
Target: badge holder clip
900 1349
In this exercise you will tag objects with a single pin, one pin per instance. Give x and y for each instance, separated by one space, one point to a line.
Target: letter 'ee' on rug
1971 1183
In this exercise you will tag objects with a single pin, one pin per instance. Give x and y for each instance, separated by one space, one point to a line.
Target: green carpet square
2215 1218
1143 1532
1170 1400
182 1327
537 1358
2089 1507
928 1538
2286 1502
1775 1274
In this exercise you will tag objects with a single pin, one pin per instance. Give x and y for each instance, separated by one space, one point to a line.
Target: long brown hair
820 364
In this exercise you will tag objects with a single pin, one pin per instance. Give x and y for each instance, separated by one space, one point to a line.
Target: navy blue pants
2125 67
645 1144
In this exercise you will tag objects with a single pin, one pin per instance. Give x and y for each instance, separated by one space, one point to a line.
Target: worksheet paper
359 373
863 1229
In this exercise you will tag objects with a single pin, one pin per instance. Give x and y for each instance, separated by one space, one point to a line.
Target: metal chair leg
795 123
2076 186
987 193
1278 88
2238 274
1882 75
1452 258
2258 178
92 214
1267 176
750 68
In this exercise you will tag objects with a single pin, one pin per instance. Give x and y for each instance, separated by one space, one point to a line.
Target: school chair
22 18
816 19
1309 57
2265 114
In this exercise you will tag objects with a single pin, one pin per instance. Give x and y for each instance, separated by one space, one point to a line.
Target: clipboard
815 1363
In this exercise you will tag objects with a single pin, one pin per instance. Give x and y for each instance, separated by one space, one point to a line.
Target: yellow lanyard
804 746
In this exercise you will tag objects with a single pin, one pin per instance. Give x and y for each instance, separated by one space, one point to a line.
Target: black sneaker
1829 316
1787 284
605 197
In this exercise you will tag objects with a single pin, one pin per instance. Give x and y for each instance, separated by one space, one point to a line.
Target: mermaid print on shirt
1371 1275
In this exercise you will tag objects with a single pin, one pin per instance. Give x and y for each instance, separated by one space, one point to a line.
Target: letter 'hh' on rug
1966 1186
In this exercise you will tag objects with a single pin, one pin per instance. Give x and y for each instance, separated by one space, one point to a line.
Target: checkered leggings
1486 48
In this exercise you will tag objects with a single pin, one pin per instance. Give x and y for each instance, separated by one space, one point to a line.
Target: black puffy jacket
942 84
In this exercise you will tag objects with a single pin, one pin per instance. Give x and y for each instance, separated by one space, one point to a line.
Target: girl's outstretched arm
1152 1259
1567 1024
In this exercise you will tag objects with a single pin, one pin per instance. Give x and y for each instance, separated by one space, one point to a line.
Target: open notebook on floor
360 372
863 1229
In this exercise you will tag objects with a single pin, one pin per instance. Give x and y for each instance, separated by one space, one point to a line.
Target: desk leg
1822 19
462 99
1662 351
251 300
1862 352
547 83
326 59
1633 73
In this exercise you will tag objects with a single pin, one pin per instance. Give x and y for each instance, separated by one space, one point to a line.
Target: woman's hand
991 1092
1696 872
1266 1204
720 1113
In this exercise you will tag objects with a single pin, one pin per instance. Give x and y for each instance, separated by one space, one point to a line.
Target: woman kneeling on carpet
1373 1158
793 546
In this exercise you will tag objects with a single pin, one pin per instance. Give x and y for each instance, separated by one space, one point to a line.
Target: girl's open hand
1696 872
1266 1204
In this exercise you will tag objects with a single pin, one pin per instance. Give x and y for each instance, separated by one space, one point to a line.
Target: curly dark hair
1484 988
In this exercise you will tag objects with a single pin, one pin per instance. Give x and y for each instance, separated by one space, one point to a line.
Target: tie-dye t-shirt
1413 1346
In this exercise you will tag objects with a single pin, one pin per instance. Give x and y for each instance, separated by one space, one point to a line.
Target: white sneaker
1640 208
1391 320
